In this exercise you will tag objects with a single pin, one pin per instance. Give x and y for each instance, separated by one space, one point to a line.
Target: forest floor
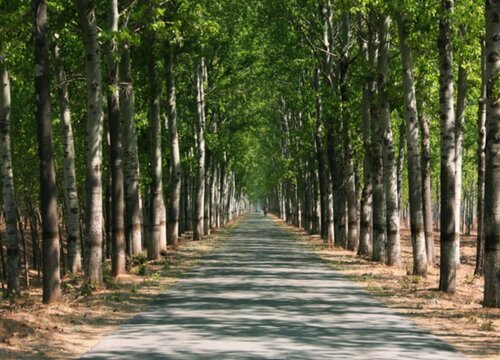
458 319
31 330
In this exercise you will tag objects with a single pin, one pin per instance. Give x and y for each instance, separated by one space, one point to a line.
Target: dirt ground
459 319
31 330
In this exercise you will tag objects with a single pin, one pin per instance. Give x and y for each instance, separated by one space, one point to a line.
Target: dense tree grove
153 119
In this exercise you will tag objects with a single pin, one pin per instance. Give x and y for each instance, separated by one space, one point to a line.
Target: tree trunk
492 175
154 244
349 179
377 162
330 236
339 199
200 128
400 167
25 254
481 144
174 183
9 201
48 193
188 201
414 171
323 176
94 216
447 281
425 144
459 129
133 218
365 238
207 197
214 194
389 159
70 188
115 134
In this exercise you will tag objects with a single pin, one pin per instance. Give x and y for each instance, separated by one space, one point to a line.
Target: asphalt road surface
261 295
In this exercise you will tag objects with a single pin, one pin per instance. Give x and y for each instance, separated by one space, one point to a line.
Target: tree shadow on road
261 296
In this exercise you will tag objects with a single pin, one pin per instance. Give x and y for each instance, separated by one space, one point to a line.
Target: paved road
261 295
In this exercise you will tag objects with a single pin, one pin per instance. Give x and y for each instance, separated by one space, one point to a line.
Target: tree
414 171
462 88
94 217
492 175
350 183
115 134
389 159
133 208
481 144
447 281
200 136
174 182
425 158
48 199
156 195
74 254
365 238
377 170
9 200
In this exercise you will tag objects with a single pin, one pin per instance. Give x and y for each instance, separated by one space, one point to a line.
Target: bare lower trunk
447 281
339 199
330 236
492 175
323 176
377 164
133 210
115 132
200 129
365 236
94 215
174 182
155 240
208 199
426 189
70 186
48 192
414 171
9 201
390 168
481 144
459 129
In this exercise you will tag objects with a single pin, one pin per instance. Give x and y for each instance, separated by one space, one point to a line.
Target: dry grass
31 330
459 319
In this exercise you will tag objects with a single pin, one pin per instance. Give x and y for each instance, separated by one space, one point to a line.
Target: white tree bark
9 200
390 167
94 216
414 170
459 129
200 128
174 183
70 186
133 208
